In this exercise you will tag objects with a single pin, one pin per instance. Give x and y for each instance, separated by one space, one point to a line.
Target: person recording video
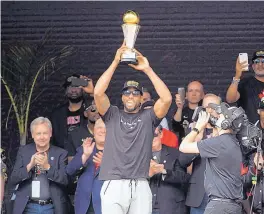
223 181
70 115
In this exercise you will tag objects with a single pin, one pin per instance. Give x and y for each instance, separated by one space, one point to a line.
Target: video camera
248 134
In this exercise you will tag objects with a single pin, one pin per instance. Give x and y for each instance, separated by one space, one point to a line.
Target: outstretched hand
120 51
143 63
202 120
88 146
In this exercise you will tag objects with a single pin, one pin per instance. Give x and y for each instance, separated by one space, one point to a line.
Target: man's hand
155 168
119 52
178 101
202 120
259 162
41 159
240 67
143 64
97 158
88 146
89 89
32 162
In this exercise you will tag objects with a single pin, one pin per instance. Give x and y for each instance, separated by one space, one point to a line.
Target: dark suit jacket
88 184
196 189
59 125
56 175
169 192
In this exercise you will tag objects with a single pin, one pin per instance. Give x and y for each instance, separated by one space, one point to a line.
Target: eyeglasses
257 61
128 92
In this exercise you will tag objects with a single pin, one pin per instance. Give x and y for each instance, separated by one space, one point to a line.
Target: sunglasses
257 61
91 108
128 92
156 134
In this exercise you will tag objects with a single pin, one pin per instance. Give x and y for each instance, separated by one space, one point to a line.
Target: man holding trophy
129 132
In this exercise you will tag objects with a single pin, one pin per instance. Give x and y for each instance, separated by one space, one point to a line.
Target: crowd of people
92 157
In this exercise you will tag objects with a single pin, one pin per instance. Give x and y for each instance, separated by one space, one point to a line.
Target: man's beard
75 99
132 109
259 74
92 121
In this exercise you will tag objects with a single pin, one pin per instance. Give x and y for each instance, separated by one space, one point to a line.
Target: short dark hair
146 90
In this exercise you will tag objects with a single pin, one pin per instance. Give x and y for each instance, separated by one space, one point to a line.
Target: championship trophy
130 30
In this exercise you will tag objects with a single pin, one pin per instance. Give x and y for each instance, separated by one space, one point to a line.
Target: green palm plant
24 67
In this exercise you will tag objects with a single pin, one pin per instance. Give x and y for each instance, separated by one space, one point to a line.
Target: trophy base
128 58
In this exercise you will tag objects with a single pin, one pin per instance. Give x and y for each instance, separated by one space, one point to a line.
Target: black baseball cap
134 84
258 54
68 80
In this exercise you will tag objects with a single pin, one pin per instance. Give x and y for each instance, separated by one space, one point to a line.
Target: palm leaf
23 64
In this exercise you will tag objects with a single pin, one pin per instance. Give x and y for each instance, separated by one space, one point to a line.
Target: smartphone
181 92
243 57
76 82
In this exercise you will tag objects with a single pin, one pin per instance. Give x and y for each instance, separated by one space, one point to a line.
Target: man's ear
258 111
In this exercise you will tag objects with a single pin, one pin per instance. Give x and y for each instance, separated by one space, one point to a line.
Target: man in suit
40 172
87 196
167 178
196 197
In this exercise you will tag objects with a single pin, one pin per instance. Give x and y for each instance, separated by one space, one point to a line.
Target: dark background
183 41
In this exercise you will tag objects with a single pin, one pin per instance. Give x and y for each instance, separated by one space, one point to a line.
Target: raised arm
233 94
162 105
101 99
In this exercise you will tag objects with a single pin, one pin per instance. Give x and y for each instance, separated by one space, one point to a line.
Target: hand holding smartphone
181 92
243 58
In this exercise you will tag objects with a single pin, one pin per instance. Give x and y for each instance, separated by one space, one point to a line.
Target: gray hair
40 120
213 95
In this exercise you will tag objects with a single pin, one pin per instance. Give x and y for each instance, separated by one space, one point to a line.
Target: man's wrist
197 130
86 156
116 61
236 80
147 70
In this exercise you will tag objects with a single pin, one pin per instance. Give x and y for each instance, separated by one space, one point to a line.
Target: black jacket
196 189
56 175
178 127
169 192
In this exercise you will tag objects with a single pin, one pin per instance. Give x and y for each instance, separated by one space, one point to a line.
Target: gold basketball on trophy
131 17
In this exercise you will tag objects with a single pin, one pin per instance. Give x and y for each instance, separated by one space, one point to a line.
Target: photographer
223 182
70 116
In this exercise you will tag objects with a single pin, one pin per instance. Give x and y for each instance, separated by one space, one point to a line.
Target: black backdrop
183 41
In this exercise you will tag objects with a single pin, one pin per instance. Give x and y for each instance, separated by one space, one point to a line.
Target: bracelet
196 130
235 81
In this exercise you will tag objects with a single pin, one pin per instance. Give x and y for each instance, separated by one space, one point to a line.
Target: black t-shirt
73 120
223 166
128 144
249 89
75 139
187 114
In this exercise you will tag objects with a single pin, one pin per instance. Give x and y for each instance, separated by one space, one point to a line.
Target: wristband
235 81
196 130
